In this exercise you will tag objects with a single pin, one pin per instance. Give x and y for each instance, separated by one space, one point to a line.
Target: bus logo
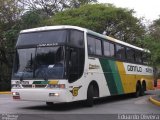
75 90
94 66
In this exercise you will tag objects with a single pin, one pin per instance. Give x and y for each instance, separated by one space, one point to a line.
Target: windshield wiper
45 77
21 78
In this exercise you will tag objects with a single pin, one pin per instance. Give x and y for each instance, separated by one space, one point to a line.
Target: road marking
141 101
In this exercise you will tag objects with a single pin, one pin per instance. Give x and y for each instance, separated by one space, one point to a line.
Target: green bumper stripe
40 82
112 76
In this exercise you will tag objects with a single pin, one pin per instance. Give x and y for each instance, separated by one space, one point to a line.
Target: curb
5 92
154 101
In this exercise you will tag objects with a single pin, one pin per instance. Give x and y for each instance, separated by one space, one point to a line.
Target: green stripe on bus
112 76
108 76
116 76
40 82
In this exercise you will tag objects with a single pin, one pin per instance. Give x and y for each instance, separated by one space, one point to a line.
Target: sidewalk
155 99
5 92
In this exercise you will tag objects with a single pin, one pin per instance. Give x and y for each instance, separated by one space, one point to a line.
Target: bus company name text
134 68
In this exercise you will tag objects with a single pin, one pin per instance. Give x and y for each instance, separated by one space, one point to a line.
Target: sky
149 9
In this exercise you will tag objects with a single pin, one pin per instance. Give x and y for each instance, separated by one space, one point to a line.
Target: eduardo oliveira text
138 116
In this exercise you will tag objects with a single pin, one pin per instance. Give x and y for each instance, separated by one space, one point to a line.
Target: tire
138 90
49 104
143 88
89 101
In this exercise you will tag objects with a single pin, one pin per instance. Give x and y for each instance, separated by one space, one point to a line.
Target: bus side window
146 58
138 56
76 64
91 45
73 60
106 48
130 54
94 46
98 47
120 52
109 49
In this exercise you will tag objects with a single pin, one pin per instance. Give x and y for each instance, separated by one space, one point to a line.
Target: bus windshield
39 63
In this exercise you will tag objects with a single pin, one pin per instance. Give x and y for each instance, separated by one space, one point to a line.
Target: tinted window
108 49
120 52
91 45
75 63
76 38
138 56
130 54
98 47
42 37
146 58
94 46
112 50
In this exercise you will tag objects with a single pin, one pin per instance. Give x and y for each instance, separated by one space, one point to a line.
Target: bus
60 64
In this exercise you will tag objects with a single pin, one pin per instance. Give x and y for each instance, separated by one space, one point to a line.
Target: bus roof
46 28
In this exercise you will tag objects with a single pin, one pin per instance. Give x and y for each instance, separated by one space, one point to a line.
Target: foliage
9 14
154 29
9 11
117 22
32 19
152 42
50 7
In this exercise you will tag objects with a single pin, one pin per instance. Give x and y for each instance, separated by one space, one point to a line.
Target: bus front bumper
45 95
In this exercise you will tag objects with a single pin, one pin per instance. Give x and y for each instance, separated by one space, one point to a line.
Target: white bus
65 63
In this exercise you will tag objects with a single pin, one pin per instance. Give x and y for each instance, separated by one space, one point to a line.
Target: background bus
68 63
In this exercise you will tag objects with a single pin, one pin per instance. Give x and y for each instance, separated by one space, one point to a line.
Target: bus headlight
53 94
16 95
61 86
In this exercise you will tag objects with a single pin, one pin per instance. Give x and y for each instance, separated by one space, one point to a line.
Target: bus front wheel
138 90
143 89
49 103
89 101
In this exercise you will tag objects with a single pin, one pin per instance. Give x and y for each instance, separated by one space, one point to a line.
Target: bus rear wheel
89 101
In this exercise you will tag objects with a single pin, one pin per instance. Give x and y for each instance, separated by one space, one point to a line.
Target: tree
32 19
10 12
117 22
50 7
78 3
154 29
152 42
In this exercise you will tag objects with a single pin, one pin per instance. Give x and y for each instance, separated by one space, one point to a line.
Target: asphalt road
114 106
